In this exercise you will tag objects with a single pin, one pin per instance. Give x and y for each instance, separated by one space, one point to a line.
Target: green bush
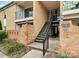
64 56
3 35
0 26
15 48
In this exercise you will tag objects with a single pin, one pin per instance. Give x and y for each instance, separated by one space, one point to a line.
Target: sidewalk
3 55
33 54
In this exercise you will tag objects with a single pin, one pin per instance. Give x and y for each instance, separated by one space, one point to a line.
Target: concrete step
41 38
39 41
41 35
36 45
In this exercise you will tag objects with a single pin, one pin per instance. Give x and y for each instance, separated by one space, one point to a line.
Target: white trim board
73 11
24 19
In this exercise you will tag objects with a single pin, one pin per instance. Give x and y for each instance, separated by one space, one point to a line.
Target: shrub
0 26
64 56
15 48
3 35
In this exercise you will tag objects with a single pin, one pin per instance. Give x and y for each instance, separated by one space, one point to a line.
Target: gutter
7 6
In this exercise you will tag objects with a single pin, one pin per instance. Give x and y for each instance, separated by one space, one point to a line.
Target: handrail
46 41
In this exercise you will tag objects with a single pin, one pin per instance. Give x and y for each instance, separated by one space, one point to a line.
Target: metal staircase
44 35
52 24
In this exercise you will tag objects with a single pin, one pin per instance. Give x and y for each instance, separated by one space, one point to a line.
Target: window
20 25
28 12
78 24
4 16
5 22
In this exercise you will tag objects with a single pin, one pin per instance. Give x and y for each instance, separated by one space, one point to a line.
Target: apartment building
14 15
25 21
29 21
26 17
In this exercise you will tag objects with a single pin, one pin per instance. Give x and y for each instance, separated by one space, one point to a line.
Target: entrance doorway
54 30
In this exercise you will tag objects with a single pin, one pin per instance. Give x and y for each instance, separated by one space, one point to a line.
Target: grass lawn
13 49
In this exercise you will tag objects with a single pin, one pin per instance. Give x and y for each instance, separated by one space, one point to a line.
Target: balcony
70 7
23 15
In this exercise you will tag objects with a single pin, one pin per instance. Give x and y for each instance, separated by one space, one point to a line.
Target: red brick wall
69 38
25 35
12 34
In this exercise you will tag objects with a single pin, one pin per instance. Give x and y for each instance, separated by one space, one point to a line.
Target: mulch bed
7 43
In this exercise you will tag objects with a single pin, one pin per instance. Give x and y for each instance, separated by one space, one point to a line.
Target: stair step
38 41
41 38
41 35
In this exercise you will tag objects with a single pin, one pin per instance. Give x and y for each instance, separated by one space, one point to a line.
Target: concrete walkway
3 55
53 44
36 45
38 53
33 54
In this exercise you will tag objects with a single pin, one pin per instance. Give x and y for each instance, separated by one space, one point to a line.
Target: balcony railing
22 14
70 5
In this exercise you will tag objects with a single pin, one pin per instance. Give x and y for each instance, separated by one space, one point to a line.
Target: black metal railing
46 41
21 14
43 36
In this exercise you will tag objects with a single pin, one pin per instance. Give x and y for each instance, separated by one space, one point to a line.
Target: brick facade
25 35
10 17
69 37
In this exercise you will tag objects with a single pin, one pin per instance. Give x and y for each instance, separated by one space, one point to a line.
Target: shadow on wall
75 22
0 25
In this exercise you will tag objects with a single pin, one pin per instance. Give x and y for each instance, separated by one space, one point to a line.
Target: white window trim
73 11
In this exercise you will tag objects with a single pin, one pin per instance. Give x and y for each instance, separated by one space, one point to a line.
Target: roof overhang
51 4
24 3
